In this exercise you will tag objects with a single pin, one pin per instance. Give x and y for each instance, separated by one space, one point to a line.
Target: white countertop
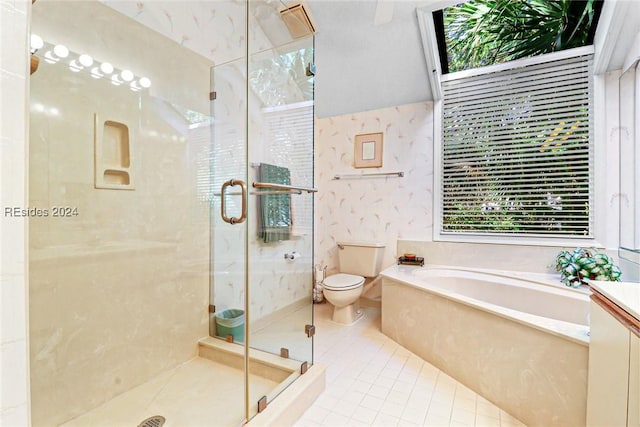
626 295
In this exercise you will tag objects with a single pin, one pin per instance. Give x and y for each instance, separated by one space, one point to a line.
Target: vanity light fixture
61 51
79 62
106 68
142 83
85 60
126 75
35 43
102 70
58 52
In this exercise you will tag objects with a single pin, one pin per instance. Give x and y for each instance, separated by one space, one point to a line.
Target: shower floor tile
197 393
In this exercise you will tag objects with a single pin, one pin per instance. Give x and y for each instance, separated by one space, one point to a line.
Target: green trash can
230 322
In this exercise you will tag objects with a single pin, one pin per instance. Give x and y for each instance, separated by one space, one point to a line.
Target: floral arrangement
578 267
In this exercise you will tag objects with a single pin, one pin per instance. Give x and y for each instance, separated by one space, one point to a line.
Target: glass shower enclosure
171 180
262 187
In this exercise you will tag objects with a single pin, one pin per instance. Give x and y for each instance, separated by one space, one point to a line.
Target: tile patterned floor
373 381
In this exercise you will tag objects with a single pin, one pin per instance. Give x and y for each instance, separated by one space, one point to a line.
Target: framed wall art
368 150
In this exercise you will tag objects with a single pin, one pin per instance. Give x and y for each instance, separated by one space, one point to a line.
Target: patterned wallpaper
215 30
374 209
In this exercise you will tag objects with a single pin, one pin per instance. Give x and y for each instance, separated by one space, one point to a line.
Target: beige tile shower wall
119 292
14 394
172 79
375 209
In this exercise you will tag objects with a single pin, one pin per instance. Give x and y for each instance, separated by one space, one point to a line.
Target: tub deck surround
625 295
519 341
536 300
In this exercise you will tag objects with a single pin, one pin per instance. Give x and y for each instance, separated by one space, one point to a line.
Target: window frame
430 45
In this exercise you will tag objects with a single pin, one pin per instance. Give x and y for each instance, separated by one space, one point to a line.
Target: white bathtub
538 300
520 340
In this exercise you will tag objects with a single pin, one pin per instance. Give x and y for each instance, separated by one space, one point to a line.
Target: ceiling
363 66
368 53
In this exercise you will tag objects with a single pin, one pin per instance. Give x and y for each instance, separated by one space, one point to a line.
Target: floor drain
155 421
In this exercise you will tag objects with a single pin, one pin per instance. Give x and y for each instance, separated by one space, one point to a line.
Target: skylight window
479 33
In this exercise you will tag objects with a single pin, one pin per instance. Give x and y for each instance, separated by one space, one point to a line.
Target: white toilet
342 290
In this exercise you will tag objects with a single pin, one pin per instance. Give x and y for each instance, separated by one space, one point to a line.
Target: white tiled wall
14 400
374 209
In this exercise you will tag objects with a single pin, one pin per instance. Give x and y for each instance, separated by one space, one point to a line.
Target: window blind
290 141
516 153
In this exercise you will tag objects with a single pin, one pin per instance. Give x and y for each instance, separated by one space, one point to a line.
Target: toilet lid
342 282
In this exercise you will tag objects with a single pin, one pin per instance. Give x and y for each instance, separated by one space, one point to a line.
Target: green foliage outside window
486 32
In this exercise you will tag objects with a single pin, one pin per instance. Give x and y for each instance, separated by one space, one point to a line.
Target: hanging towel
274 218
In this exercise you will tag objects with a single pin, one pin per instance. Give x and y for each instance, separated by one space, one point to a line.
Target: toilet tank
361 258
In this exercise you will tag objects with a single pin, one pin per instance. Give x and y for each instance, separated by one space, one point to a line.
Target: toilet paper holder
293 255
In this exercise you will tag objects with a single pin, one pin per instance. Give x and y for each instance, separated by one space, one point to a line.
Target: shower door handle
223 208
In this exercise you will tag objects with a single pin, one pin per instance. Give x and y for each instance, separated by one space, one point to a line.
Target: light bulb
126 75
85 60
106 68
75 66
95 73
144 82
36 43
115 80
50 57
61 51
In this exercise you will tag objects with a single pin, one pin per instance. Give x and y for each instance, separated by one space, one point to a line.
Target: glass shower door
228 260
261 228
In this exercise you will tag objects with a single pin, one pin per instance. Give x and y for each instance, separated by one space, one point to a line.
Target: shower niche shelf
112 145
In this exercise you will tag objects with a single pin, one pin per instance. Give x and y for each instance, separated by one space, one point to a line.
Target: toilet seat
342 282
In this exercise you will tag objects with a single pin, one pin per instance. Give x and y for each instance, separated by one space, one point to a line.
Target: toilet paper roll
320 271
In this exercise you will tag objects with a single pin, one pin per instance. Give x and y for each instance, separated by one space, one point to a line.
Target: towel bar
283 187
367 175
261 193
